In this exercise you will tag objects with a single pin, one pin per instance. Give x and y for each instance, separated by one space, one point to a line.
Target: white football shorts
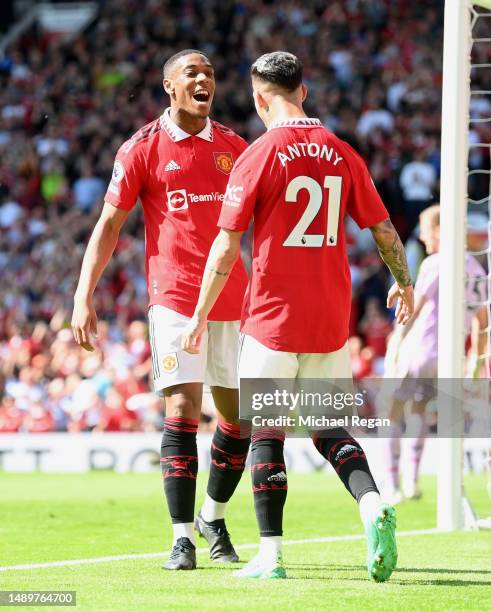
259 361
214 365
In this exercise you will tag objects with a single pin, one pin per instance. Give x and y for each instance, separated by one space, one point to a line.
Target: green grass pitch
59 517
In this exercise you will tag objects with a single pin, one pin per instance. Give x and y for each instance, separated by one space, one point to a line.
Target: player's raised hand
84 323
405 302
191 338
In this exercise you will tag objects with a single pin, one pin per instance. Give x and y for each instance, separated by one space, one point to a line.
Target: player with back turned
299 181
178 165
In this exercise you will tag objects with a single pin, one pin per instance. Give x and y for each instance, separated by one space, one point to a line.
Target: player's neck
282 110
187 123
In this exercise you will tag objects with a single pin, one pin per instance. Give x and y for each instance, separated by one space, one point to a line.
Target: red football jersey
298 181
180 180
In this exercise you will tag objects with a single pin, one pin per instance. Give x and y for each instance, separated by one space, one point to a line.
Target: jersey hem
189 312
371 223
228 226
119 205
275 346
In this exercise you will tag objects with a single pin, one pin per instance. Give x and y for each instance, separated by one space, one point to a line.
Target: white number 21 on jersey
298 237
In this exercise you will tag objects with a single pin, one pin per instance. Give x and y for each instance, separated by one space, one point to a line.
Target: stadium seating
374 75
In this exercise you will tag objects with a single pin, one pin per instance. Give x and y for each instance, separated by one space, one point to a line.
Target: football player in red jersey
298 181
178 166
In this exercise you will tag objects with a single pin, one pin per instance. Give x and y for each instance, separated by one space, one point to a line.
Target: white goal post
454 177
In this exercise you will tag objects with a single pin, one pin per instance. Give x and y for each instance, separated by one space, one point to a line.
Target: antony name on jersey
308 149
298 181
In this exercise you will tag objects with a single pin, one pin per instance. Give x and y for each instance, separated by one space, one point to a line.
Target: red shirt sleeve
128 176
241 193
364 203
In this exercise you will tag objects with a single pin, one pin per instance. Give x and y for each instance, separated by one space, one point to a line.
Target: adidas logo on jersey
172 165
279 477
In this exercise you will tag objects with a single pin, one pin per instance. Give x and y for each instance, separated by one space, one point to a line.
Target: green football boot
382 547
262 569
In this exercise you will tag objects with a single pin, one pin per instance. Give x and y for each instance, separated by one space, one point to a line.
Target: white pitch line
69 562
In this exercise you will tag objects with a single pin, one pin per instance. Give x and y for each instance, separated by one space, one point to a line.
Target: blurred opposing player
178 165
299 181
412 356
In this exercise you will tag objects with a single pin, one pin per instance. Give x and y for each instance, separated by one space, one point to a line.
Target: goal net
465 197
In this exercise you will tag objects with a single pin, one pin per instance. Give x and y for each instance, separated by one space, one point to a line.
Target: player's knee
227 404
182 406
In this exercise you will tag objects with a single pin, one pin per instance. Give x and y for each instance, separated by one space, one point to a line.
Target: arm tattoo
392 251
217 272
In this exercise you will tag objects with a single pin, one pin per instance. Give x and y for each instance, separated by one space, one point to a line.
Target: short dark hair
279 68
177 56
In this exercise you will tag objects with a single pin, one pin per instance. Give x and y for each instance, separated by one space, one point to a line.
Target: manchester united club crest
170 363
224 162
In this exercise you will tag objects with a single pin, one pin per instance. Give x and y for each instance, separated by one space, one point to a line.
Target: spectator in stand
149 410
375 328
418 181
374 75
10 416
361 358
38 419
115 416
88 189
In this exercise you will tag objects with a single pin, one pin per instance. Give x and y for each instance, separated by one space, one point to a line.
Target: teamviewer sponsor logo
177 200
214 196
233 195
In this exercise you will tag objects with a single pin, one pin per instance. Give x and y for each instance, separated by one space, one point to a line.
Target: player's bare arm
392 252
223 254
479 342
419 302
97 255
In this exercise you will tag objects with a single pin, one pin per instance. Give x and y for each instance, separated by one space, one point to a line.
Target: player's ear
168 86
304 91
259 101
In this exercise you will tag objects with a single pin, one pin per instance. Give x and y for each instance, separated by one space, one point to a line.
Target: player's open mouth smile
202 96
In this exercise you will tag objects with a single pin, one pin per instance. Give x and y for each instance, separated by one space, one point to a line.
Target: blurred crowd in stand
374 74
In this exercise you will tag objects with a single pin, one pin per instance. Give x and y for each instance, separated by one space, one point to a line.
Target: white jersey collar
177 134
301 122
